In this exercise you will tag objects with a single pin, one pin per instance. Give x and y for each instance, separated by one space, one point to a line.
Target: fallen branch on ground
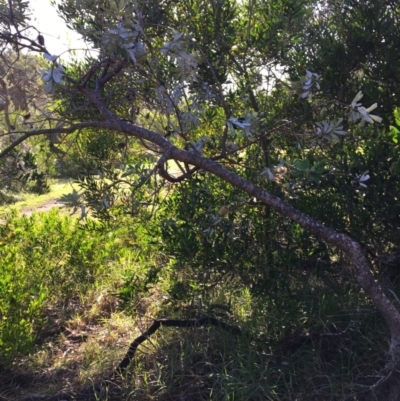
171 323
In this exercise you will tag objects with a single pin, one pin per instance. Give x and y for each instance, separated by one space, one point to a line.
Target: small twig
85 79
397 299
164 174
374 386
107 77
339 333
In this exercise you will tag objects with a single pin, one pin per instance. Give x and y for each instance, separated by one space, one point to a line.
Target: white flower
52 76
186 62
121 31
362 178
241 123
358 97
50 57
189 120
310 84
58 73
330 130
49 86
135 50
359 112
370 118
46 74
122 34
174 45
198 145
268 173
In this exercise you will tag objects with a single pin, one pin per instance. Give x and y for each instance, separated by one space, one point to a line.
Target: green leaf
302 165
394 133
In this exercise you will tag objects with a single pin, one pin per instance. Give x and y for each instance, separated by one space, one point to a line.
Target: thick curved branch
353 250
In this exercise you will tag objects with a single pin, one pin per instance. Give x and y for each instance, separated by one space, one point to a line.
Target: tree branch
61 130
6 105
194 323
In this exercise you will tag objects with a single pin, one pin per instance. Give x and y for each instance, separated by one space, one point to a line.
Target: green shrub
46 261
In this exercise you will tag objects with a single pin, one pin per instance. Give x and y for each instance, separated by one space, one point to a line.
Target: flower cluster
134 47
329 130
186 62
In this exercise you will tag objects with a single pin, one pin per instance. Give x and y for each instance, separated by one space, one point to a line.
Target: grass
175 364
82 329
201 364
31 201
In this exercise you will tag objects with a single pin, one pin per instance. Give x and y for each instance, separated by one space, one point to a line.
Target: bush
46 261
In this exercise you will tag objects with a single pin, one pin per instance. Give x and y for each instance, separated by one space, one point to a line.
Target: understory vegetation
72 300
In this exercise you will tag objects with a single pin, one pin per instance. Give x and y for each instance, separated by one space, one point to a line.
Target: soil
45 207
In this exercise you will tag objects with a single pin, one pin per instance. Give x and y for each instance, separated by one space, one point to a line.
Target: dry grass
77 363
84 352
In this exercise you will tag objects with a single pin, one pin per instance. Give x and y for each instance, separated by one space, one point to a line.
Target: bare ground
45 207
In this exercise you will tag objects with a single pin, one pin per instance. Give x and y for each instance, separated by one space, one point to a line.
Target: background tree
23 100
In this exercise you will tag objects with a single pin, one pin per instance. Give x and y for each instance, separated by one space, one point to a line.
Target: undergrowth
72 300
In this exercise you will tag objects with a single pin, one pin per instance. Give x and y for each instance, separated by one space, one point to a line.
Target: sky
58 38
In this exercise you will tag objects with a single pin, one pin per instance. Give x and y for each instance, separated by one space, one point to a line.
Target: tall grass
48 263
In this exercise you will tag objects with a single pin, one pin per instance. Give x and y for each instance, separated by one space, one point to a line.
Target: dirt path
45 207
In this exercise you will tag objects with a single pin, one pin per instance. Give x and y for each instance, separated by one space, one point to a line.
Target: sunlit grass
31 201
